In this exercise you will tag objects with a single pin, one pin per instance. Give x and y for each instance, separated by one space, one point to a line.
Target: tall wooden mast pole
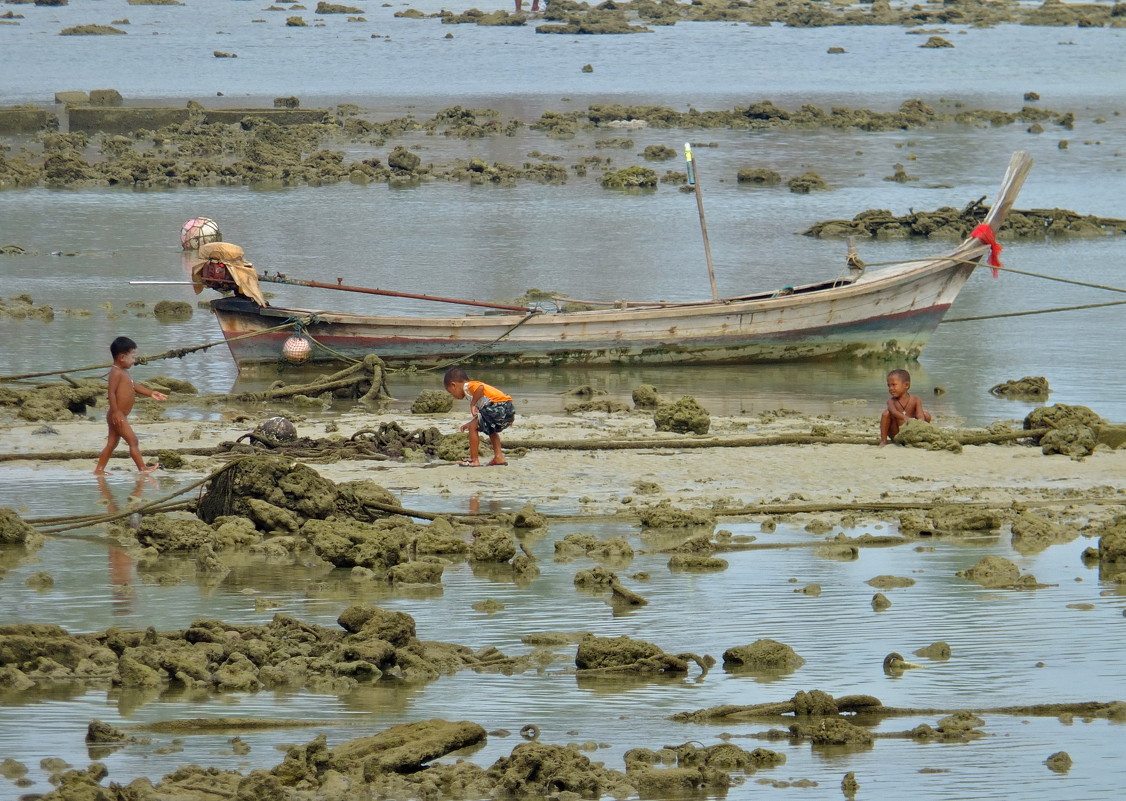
700 207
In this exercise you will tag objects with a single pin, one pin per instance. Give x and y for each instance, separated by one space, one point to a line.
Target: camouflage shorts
493 418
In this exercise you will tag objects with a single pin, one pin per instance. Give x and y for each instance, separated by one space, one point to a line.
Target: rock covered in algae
833 731
665 515
1073 440
1033 532
938 651
53 402
538 770
630 178
613 652
1112 544
1029 387
765 655
281 482
379 545
645 396
953 518
696 563
597 577
1059 762
615 550
890 582
406 748
167 534
759 176
921 434
1073 428
492 544
432 401
13 529
682 417
527 517
397 628
998 572
172 310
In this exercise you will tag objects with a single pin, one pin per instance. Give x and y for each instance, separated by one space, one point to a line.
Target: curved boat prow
1019 165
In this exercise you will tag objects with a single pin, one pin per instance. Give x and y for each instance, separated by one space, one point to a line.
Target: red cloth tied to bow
984 233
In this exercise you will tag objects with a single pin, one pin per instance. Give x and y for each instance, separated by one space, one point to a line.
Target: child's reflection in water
121 564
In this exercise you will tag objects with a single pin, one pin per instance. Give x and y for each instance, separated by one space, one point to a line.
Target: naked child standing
122 393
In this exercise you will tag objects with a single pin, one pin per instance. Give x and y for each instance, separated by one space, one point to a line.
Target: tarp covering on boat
230 256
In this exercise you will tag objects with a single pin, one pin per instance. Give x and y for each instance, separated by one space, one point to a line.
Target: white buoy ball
199 231
296 350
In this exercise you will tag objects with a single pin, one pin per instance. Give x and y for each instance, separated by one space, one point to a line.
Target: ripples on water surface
843 640
496 242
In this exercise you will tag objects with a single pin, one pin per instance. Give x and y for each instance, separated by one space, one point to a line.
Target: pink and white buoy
296 350
199 231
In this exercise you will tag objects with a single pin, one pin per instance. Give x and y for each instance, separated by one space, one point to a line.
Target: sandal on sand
467 463
497 464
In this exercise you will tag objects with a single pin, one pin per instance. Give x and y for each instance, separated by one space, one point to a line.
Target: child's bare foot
101 472
151 468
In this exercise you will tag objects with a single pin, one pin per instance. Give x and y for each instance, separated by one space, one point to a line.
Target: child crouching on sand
902 406
492 412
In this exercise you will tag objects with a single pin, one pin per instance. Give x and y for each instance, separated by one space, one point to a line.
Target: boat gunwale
870 283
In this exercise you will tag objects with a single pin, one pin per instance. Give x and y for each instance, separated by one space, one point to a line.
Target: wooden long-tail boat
887 312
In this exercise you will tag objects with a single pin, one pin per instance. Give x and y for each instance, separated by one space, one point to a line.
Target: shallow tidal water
496 242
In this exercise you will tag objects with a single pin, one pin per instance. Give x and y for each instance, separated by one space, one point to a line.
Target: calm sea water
493 242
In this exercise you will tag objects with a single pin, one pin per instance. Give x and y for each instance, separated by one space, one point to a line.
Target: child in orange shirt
492 412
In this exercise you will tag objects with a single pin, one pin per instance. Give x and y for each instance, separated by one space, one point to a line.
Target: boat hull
887 314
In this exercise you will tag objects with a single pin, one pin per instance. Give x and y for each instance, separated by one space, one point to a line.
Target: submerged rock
763 655
1029 387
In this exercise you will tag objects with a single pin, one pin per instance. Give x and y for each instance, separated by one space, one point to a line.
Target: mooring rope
175 353
460 359
1034 311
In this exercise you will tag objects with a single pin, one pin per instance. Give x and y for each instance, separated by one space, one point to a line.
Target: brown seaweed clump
682 417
